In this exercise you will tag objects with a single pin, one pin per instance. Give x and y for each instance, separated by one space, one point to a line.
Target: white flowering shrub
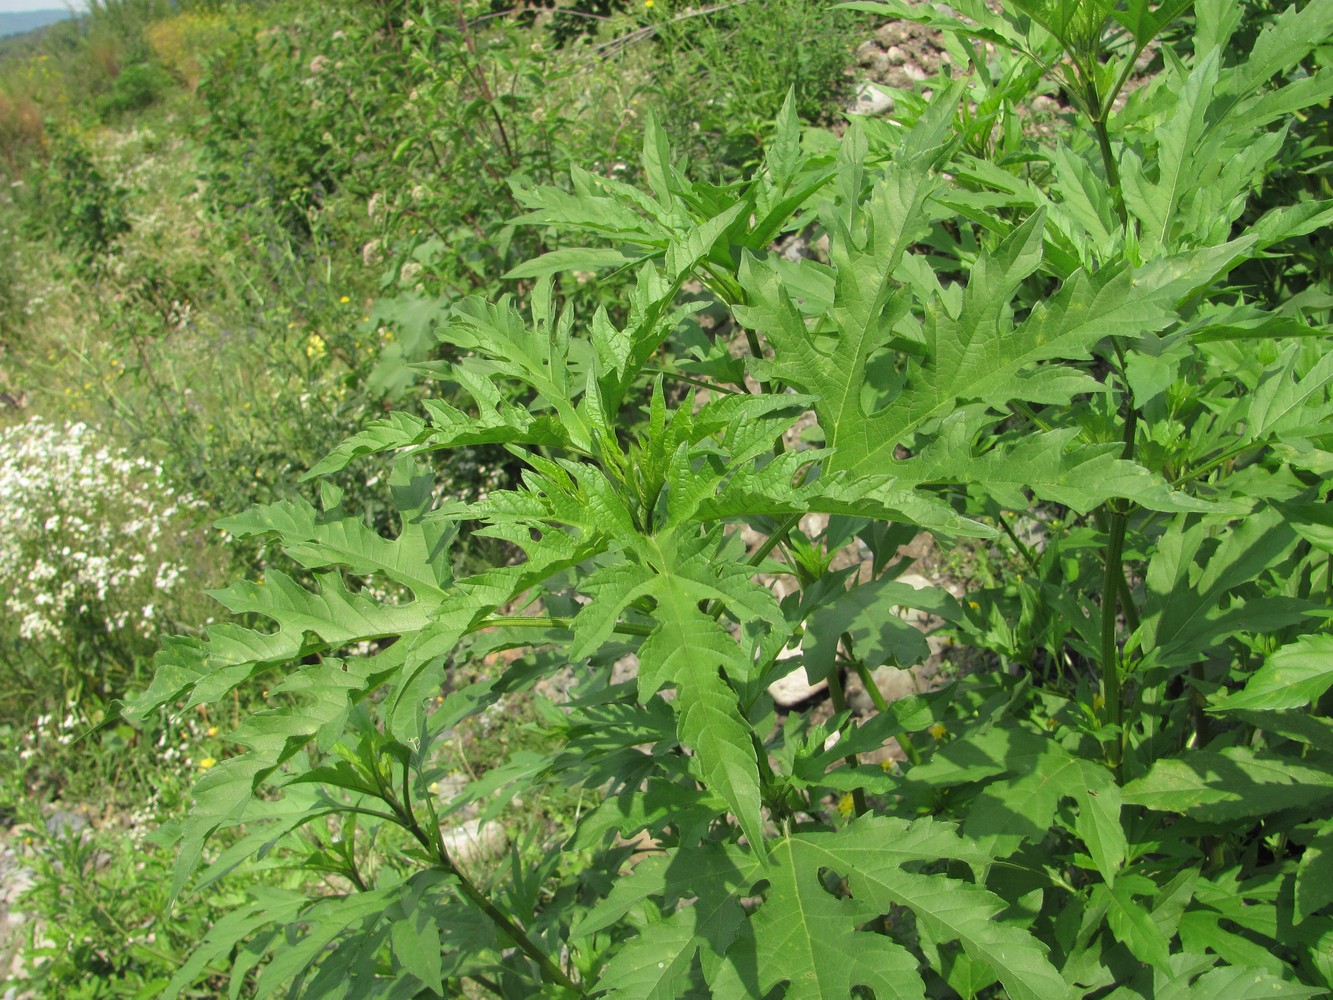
97 554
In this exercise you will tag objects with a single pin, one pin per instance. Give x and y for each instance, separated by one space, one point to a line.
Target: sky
13 6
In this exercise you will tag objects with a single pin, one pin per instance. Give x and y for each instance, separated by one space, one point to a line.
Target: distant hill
19 22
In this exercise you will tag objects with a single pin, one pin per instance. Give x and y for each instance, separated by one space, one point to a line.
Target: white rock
895 684
471 842
870 100
795 687
813 525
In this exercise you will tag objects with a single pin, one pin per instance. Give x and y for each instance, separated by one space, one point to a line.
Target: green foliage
85 211
135 88
724 71
1138 805
572 534
414 130
96 939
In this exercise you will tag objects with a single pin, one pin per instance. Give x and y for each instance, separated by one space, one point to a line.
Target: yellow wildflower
939 730
846 805
206 763
344 300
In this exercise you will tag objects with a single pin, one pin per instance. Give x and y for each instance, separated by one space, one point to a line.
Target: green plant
83 210
99 924
720 72
1144 816
136 87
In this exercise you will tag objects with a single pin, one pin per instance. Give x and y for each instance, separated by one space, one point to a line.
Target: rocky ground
16 878
901 55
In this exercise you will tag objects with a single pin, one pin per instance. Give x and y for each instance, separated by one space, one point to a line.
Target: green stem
882 705
774 540
490 984
909 748
721 390
868 679
354 876
1020 407
1202 730
1114 586
1112 168
1111 687
1211 464
839 698
551 972
1026 552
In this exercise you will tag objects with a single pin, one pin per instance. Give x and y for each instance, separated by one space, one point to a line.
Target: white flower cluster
64 734
87 533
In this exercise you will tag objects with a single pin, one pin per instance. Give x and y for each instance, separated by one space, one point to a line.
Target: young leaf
1291 677
879 636
1049 463
1027 775
1231 784
689 648
1132 925
1191 609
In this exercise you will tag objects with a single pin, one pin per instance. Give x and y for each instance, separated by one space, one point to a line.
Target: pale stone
870 100
891 33
795 688
471 842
